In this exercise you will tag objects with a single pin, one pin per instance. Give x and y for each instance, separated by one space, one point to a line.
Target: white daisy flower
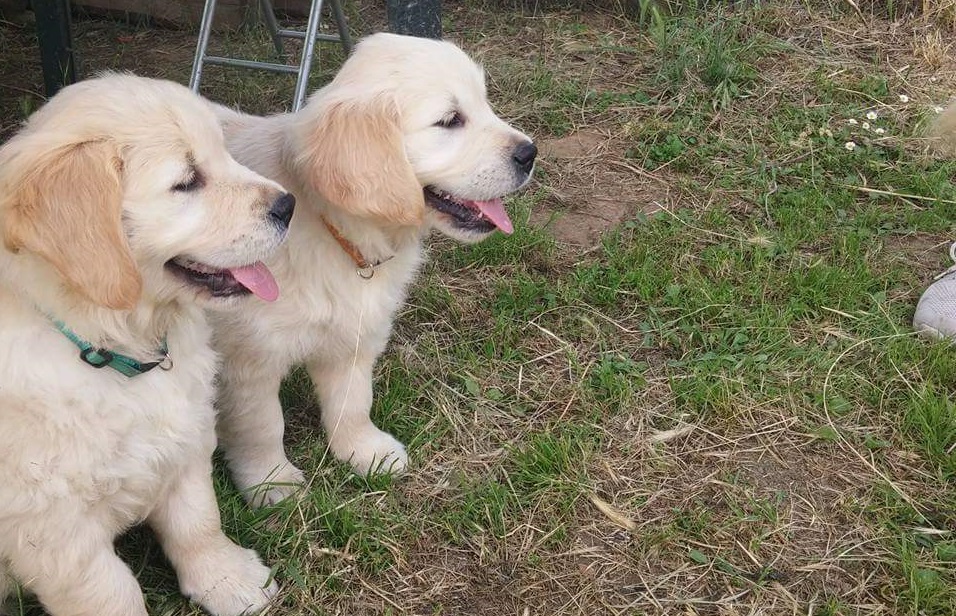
871 115
904 98
866 126
850 145
851 122
879 131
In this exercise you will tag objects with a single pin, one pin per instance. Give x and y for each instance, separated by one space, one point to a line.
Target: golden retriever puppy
401 142
122 216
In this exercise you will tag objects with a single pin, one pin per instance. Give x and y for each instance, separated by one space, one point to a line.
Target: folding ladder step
309 37
254 64
298 34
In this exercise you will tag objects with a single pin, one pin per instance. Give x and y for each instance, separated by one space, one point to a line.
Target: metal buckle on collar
106 356
366 270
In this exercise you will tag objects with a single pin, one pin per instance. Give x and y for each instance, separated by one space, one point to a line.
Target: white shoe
935 315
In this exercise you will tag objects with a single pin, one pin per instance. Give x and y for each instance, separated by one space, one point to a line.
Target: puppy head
122 186
405 133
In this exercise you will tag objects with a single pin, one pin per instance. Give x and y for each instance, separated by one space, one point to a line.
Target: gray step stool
309 37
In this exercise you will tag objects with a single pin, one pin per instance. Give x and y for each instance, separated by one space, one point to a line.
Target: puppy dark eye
193 182
453 120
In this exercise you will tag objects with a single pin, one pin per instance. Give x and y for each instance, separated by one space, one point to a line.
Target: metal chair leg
269 14
342 26
205 29
308 48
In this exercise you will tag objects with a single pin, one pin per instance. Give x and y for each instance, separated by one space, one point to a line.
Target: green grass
736 376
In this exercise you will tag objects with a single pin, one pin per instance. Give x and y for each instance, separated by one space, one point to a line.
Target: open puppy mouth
226 282
479 216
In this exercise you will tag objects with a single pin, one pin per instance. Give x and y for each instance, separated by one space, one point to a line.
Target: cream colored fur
360 154
943 132
88 218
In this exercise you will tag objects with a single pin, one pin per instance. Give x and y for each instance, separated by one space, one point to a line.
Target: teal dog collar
101 358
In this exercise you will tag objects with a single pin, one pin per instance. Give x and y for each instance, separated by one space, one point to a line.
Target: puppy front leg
225 579
250 428
77 575
345 395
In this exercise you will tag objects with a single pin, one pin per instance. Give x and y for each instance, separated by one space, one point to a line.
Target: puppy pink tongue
258 279
494 211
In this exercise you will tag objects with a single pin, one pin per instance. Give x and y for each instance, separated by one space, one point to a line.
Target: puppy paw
372 451
268 486
232 582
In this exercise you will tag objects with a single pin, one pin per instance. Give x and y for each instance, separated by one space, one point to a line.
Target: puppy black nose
524 156
282 209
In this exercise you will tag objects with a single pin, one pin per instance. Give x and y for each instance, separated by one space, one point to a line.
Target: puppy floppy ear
354 157
67 209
